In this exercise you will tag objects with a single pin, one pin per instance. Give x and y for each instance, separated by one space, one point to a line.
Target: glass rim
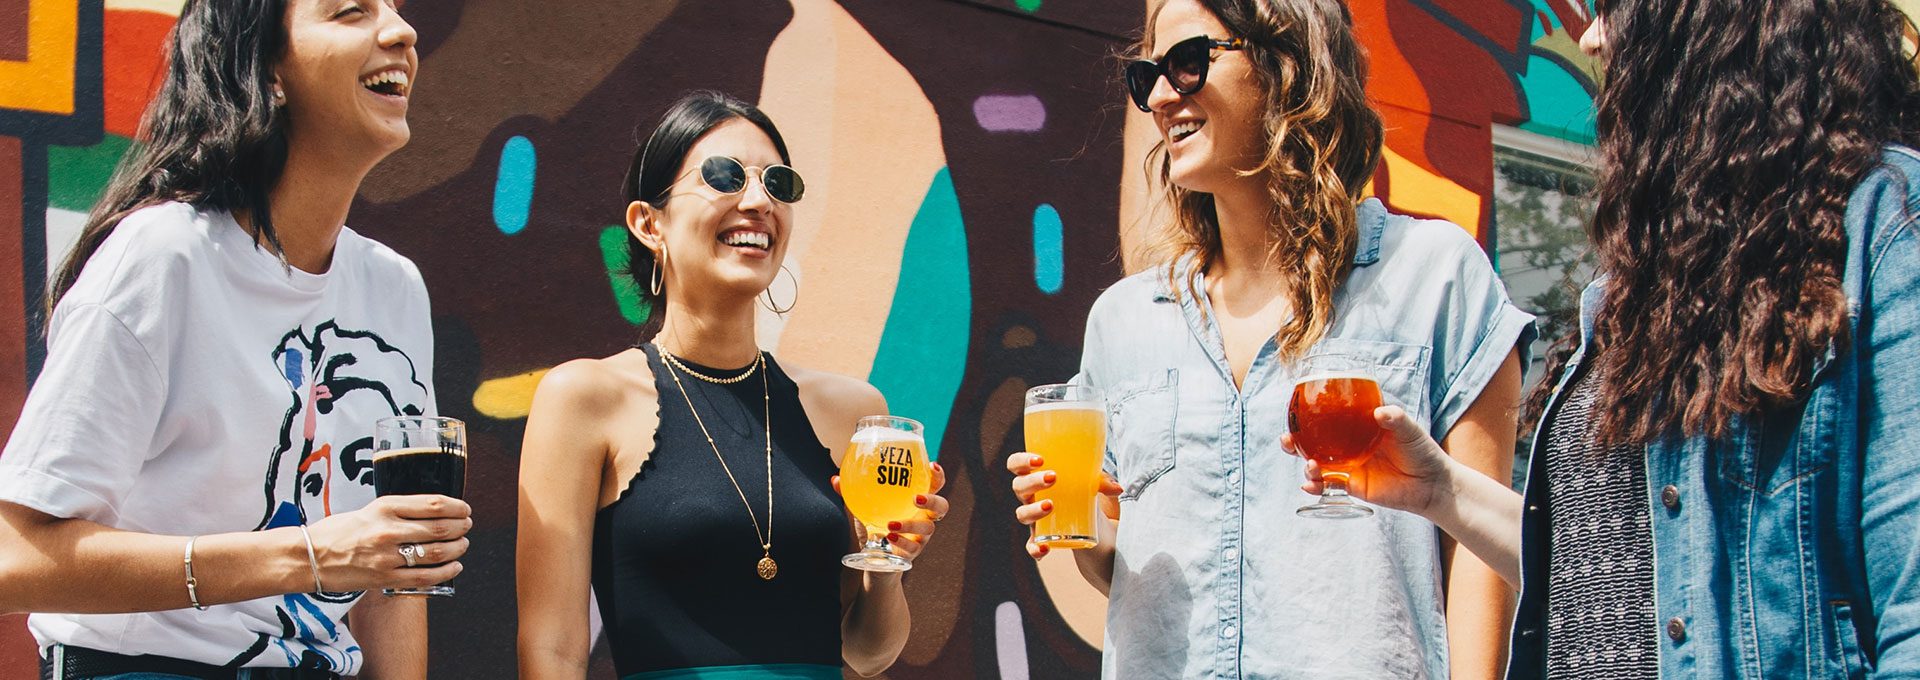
435 423
891 422
1336 375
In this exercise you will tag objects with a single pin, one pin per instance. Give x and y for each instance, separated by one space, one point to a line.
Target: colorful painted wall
975 183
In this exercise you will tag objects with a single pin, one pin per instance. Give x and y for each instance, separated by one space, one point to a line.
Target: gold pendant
768 569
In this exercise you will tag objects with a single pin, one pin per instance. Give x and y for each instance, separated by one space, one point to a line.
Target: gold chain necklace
751 369
766 567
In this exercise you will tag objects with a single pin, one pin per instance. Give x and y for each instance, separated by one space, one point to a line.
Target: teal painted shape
1560 107
77 174
513 187
1028 5
619 262
1049 251
923 351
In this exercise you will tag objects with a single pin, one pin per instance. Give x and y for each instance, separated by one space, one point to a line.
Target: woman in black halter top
690 480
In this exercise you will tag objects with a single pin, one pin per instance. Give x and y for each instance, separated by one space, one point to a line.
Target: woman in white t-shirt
188 490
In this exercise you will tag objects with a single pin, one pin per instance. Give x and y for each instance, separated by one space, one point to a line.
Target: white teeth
1184 129
391 76
748 238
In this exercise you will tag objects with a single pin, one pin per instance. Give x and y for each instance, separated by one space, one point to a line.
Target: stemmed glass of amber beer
1067 427
884 468
1331 418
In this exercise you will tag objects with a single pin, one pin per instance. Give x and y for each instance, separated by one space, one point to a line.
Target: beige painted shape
168 7
867 140
508 58
1144 210
1084 608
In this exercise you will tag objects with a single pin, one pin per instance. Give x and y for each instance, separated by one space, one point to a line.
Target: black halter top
674 558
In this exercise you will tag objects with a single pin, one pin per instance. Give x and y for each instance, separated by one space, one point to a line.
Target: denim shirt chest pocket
1768 453
1140 427
1401 370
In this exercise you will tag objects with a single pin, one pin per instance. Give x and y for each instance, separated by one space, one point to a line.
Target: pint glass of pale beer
1067 427
1331 418
884 468
420 455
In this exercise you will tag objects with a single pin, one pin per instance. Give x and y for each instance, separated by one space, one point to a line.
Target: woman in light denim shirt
1275 259
1745 373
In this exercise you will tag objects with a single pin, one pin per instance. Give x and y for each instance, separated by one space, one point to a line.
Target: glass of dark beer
420 455
1331 418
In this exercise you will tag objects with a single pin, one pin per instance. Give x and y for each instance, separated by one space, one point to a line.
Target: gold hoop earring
656 280
766 296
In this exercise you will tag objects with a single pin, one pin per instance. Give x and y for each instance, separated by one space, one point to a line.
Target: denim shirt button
1229 632
1230 553
1677 629
1670 497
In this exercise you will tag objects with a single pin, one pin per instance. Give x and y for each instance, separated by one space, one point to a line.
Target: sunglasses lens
783 183
1140 78
1187 66
724 174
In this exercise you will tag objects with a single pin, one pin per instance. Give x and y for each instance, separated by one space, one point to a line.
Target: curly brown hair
1323 143
1731 134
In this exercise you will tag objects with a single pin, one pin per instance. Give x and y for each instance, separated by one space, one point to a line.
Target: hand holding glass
1331 418
420 455
884 468
1067 427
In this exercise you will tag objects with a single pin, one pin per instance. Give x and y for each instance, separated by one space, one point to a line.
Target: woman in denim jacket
1723 482
1277 263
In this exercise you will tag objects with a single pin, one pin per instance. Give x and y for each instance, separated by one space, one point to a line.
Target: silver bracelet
312 561
193 586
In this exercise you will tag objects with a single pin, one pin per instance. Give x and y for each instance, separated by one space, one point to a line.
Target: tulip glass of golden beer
884 468
1067 428
1331 418
420 455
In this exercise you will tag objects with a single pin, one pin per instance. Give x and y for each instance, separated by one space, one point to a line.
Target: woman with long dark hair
187 493
1276 268
690 482
1722 483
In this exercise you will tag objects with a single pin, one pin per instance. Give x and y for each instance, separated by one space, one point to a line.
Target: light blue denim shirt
1214 575
1789 548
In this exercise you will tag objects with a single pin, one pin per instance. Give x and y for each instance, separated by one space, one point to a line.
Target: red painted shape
133 63
13 30
19 656
13 306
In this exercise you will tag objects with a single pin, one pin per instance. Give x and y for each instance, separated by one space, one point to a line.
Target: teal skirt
778 671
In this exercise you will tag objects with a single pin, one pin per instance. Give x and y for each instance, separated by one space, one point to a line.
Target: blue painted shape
1557 104
923 350
284 516
1049 249
295 367
513 189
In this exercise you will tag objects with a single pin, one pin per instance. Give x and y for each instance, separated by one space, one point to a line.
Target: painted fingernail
893 526
1043 550
1050 477
893 537
937 468
1039 462
1046 505
919 500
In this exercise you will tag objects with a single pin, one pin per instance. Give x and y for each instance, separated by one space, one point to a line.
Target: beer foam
418 450
873 435
1066 406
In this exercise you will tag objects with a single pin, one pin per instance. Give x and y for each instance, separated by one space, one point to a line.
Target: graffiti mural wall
975 183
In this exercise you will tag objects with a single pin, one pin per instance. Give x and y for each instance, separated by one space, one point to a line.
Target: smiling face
347 74
717 242
1217 131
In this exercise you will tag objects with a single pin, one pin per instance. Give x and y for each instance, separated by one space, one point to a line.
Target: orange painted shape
44 82
133 64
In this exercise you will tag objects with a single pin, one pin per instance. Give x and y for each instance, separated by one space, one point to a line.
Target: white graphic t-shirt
195 385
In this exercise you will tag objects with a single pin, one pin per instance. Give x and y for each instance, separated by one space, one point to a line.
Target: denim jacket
1789 548
1214 575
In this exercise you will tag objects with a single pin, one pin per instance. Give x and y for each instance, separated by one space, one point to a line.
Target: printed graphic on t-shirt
339 381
